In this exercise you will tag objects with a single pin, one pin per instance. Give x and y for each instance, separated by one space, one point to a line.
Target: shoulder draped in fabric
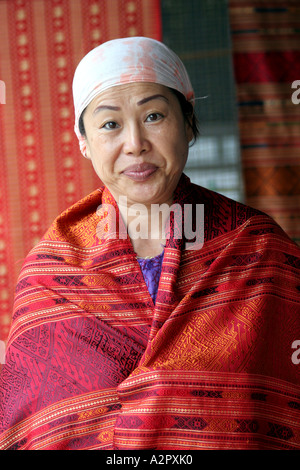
93 363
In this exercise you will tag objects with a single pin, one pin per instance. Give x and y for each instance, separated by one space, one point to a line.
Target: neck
146 226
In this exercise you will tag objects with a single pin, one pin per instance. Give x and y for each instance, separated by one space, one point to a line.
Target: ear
87 151
189 131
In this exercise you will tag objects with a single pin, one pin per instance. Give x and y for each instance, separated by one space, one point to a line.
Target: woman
150 340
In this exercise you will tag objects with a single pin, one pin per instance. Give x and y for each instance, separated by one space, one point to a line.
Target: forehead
132 93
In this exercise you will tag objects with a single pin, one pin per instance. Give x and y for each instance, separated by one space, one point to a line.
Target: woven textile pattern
93 364
42 169
266 45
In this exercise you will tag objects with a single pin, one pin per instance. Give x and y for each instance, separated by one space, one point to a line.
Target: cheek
181 144
100 150
104 157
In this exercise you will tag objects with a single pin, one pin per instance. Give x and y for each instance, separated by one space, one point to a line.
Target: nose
135 140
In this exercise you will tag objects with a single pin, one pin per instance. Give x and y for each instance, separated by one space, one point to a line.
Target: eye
110 125
154 117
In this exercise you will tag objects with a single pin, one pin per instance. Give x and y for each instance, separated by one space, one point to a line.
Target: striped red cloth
266 57
92 363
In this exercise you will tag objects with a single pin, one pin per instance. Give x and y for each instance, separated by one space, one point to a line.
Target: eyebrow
106 106
152 97
139 103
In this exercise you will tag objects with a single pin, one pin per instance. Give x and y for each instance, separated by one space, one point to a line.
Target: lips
140 171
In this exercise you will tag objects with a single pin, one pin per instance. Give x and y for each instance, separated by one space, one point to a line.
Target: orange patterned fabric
42 169
92 363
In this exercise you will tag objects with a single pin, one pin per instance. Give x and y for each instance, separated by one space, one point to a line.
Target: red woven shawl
93 364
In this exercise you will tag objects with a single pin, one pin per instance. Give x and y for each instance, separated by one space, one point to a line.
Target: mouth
140 171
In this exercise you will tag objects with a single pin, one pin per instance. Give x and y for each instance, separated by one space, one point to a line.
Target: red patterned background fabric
266 54
42 170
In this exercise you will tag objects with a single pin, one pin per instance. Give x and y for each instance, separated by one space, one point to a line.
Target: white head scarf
127 60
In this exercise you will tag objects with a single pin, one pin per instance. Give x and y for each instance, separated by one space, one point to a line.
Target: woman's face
137 139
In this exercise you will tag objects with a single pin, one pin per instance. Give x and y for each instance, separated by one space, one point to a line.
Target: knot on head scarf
122 61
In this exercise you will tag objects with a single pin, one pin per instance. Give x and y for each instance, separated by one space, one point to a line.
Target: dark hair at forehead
81 124
188 112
